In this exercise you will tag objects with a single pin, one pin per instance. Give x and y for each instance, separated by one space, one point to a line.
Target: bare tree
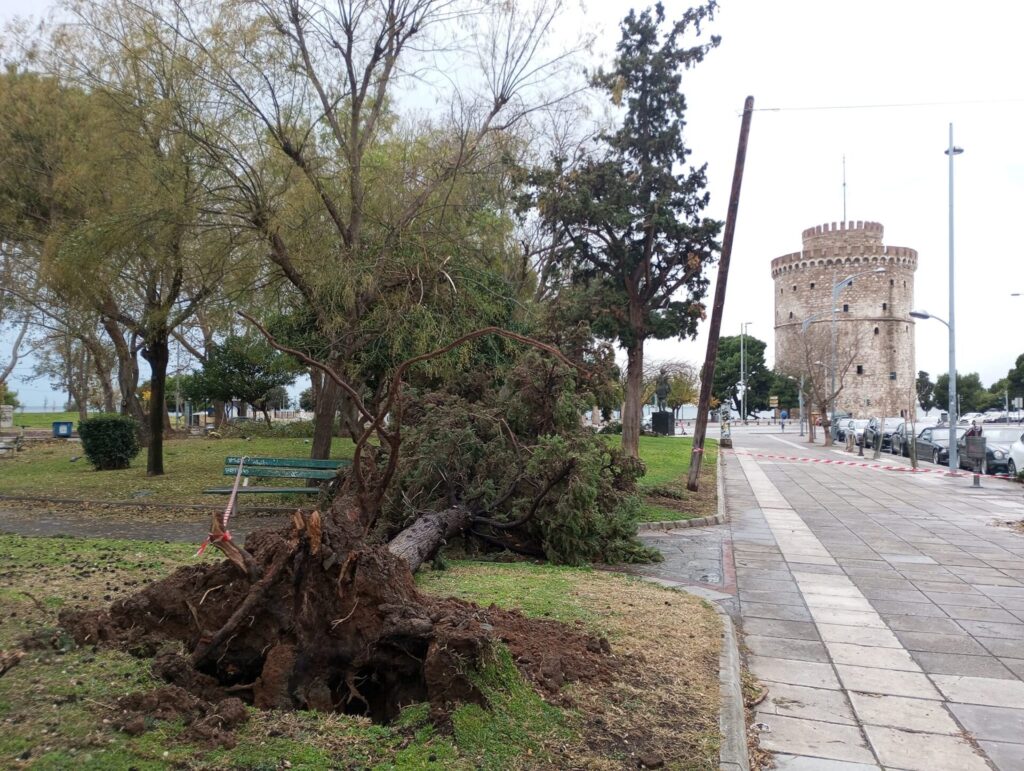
812 360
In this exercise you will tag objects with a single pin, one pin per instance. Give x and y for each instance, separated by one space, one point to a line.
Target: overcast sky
824 76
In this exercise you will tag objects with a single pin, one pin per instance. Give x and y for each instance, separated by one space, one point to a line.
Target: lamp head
921 314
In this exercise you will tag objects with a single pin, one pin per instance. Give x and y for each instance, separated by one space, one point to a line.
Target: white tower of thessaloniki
872 319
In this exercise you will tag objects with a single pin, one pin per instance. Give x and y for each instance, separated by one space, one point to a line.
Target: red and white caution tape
861 464
228 511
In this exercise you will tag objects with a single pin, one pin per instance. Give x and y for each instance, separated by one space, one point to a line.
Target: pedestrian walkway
884 611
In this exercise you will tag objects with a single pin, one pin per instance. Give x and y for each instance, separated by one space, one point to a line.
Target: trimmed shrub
109 441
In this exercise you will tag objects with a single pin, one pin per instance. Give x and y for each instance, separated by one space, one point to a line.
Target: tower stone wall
873 317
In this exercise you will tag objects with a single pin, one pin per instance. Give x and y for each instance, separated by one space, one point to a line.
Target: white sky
965 63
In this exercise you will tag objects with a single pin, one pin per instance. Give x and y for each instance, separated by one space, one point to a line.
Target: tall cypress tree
628 218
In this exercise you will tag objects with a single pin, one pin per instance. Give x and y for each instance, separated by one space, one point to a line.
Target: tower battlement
872 311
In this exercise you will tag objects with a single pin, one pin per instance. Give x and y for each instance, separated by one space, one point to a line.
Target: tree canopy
628 217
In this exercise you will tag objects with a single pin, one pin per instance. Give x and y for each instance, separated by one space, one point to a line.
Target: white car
1016 463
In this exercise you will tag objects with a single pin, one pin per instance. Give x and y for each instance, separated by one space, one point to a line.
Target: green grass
54 704
191 465
664 485
43 419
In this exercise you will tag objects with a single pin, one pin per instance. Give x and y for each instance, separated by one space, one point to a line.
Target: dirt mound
209 723
310 616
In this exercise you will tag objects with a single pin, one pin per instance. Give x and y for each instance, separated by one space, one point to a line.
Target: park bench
279 468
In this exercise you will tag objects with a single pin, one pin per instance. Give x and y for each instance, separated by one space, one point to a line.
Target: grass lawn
43 419
664 486
55 705
192 464
196 463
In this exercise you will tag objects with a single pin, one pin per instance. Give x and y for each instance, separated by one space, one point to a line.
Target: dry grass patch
664 704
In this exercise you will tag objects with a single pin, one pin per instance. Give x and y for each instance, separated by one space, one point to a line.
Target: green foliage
498 446
926 391
728 373
7 396
971 394
109 441
1015 378
244 368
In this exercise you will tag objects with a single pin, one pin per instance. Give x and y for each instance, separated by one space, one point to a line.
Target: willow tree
629 218
383 218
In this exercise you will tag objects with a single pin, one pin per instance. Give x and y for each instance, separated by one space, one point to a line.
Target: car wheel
1011 468
935 457
894 447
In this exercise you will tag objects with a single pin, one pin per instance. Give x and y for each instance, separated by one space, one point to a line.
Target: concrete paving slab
870 656
958 664
793 672
847 617
994 629
805 763
916 751
901 623
817 738
812 703
771 610
987 691
881 638
901 712
770 627
780 647
998 724
886 682
940 643
1007 757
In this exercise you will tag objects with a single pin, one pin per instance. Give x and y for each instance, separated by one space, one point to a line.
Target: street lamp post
836 289
954 461
952 151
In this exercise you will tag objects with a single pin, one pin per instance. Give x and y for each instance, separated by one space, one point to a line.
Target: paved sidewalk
884 611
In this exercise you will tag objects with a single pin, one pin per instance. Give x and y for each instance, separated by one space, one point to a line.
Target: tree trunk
157 353
323 419
127 379
634 392
218 413
423 538
266 416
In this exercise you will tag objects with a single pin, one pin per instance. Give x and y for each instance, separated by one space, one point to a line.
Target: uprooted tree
323 613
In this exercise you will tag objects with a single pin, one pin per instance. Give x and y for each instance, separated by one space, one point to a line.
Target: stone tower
872 318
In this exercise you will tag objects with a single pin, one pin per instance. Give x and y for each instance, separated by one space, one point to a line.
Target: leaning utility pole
708 372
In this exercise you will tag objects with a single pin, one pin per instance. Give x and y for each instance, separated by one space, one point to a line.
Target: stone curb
716 519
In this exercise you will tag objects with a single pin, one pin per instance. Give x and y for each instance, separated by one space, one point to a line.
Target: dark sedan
933 444
997 450
880 433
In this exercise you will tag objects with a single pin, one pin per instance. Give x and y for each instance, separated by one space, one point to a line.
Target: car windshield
859 423
1005 435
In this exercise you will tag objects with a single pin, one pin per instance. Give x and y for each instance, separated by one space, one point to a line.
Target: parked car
846 425
881 433
933 443
966 420
1015 464
997 450
899 441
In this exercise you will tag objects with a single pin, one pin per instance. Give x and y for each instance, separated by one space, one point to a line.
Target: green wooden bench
279 468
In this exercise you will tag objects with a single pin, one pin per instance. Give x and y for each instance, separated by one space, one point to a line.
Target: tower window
876 330
846 308
885 306
791 314
812 285
860 369
781 291
892 282
794 287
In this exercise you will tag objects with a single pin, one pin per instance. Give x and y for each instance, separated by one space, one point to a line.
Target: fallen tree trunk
421 541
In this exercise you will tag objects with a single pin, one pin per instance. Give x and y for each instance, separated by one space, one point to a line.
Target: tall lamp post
951 152
743 372
838 287
954 461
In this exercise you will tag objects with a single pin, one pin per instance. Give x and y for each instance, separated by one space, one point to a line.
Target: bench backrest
306 463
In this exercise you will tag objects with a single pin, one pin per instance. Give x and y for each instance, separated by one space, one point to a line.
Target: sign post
976 452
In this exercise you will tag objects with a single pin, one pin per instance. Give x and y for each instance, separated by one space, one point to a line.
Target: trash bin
62 429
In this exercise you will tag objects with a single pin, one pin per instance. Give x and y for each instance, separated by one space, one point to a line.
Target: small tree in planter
109 441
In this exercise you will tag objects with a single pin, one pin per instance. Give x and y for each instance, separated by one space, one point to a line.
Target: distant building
873 313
